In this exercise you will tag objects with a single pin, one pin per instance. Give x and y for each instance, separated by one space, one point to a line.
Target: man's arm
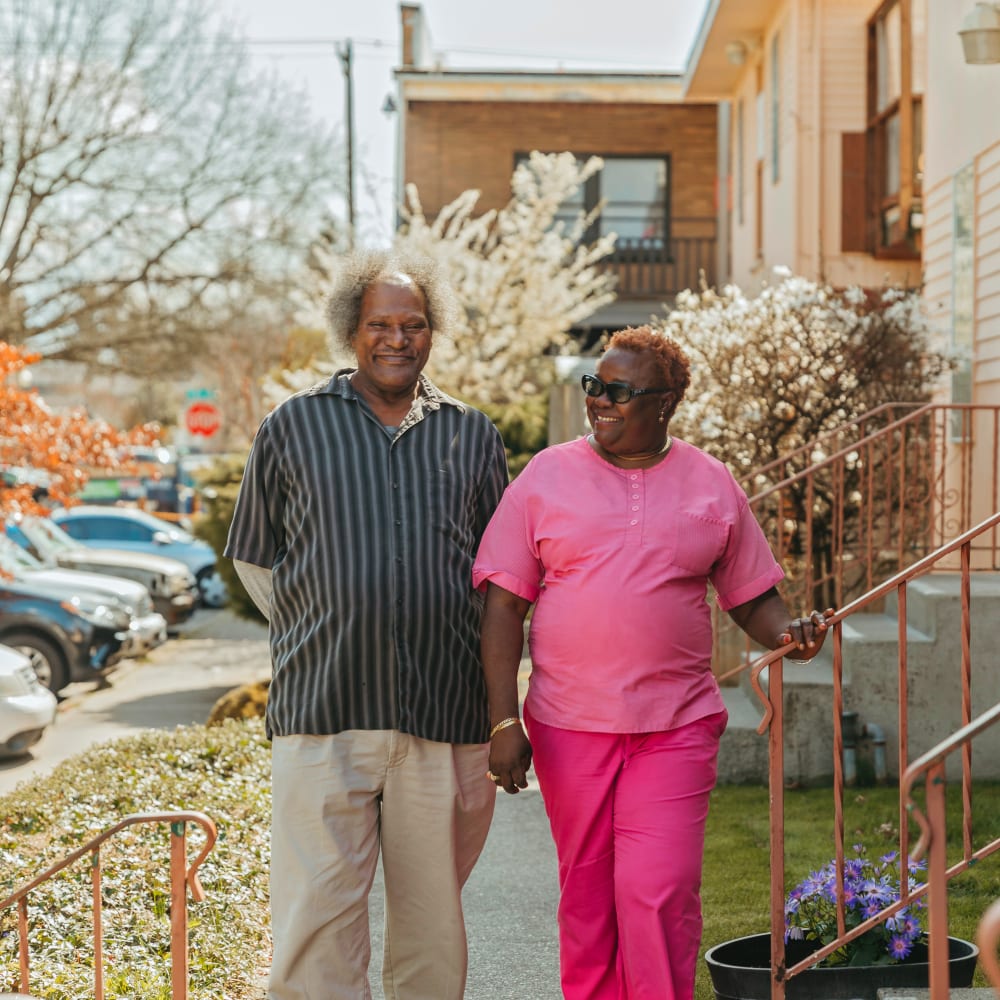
257 582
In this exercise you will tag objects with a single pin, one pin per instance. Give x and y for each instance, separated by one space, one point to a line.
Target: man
361 507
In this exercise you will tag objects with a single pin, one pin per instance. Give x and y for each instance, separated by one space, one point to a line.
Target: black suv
66 640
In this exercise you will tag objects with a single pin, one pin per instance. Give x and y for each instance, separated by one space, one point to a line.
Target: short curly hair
359 270
670 359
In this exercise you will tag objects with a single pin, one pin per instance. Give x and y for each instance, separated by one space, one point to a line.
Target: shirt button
633 522
634 476
398 523
635 508
635 496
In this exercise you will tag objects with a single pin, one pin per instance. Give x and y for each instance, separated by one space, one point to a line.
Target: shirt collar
430 398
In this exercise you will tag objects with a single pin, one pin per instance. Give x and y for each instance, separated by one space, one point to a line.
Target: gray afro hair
360 269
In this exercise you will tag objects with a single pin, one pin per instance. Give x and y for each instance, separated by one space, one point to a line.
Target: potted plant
890 954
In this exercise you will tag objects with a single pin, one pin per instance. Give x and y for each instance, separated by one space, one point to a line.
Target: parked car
147 628
66 639
137 530
27 708
170 583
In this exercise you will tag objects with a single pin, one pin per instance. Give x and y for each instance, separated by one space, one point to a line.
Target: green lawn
737 869
225 771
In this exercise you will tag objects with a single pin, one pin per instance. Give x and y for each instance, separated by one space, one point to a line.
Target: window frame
592 197
907 109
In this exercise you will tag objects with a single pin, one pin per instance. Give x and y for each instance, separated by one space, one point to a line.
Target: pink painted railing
931 764
874 496
182 877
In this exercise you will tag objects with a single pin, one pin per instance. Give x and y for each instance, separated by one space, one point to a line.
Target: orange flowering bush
37 444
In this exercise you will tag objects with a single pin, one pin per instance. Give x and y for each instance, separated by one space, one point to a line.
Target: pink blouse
617 562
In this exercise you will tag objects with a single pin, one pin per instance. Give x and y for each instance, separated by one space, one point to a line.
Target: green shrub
223 771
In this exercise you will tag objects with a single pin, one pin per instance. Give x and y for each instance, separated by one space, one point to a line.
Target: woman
614 539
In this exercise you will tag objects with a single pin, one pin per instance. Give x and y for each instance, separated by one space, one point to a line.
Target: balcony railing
182 877
649 268
930 767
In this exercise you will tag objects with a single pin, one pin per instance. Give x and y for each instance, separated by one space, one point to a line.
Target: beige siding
937 255
987 367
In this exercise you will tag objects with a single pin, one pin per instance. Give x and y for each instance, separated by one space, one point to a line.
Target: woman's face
632 427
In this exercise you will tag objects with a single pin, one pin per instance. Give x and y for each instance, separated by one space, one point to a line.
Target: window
896 47
636 195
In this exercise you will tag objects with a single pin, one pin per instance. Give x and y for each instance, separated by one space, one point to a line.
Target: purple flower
899 947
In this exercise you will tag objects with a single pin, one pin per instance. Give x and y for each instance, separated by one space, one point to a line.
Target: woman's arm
502 642
767 620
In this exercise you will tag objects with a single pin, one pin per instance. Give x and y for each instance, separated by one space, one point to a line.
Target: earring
661 418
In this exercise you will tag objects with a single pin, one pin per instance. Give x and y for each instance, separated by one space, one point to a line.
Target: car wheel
212 588
46 659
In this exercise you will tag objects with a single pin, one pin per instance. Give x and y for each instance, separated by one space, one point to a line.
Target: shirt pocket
699 542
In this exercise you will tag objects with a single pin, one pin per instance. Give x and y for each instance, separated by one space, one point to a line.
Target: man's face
393 338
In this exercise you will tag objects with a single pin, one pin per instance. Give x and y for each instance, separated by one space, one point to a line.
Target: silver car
27 708
170 583
147 627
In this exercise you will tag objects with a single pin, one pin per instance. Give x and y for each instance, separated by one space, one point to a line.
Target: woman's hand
510 758
808 633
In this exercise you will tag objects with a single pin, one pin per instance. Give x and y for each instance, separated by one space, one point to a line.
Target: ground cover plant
224 770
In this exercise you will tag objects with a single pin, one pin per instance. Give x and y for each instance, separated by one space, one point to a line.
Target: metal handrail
182 877
886 498
747 480
773 724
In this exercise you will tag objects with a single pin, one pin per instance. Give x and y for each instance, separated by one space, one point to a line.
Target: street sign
202 418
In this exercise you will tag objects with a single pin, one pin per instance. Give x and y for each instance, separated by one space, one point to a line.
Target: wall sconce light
736 53
980 34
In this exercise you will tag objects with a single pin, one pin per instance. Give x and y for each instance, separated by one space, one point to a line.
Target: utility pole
346 53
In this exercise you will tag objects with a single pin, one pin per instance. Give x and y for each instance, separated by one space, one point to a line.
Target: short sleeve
747 567
256 534
507 554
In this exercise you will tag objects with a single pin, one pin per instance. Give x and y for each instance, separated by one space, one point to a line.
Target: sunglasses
618 392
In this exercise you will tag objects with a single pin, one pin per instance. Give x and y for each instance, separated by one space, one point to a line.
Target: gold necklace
636 458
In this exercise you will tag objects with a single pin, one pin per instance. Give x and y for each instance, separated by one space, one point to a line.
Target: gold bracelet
503 724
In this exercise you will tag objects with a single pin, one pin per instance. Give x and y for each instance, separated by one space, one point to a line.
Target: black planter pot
741 970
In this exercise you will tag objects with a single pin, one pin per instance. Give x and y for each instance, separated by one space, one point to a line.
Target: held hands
510 758
808 634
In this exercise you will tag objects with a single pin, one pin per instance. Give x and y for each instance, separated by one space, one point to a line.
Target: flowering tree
61 447
774 371
524 274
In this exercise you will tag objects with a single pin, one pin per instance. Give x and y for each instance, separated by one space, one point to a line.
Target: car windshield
14 559
175 533
47 537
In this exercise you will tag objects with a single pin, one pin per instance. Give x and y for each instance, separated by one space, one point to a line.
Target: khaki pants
337 801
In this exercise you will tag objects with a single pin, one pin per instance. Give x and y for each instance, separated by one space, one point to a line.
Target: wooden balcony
649 268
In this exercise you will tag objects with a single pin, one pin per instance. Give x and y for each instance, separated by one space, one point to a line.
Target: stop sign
202 418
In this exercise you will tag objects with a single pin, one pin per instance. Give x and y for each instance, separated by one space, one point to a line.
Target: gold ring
493 777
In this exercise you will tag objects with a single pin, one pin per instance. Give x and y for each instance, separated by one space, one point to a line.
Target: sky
300 40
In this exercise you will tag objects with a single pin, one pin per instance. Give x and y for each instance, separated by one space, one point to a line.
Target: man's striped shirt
370 536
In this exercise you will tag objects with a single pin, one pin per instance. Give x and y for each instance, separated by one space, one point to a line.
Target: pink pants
628 814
